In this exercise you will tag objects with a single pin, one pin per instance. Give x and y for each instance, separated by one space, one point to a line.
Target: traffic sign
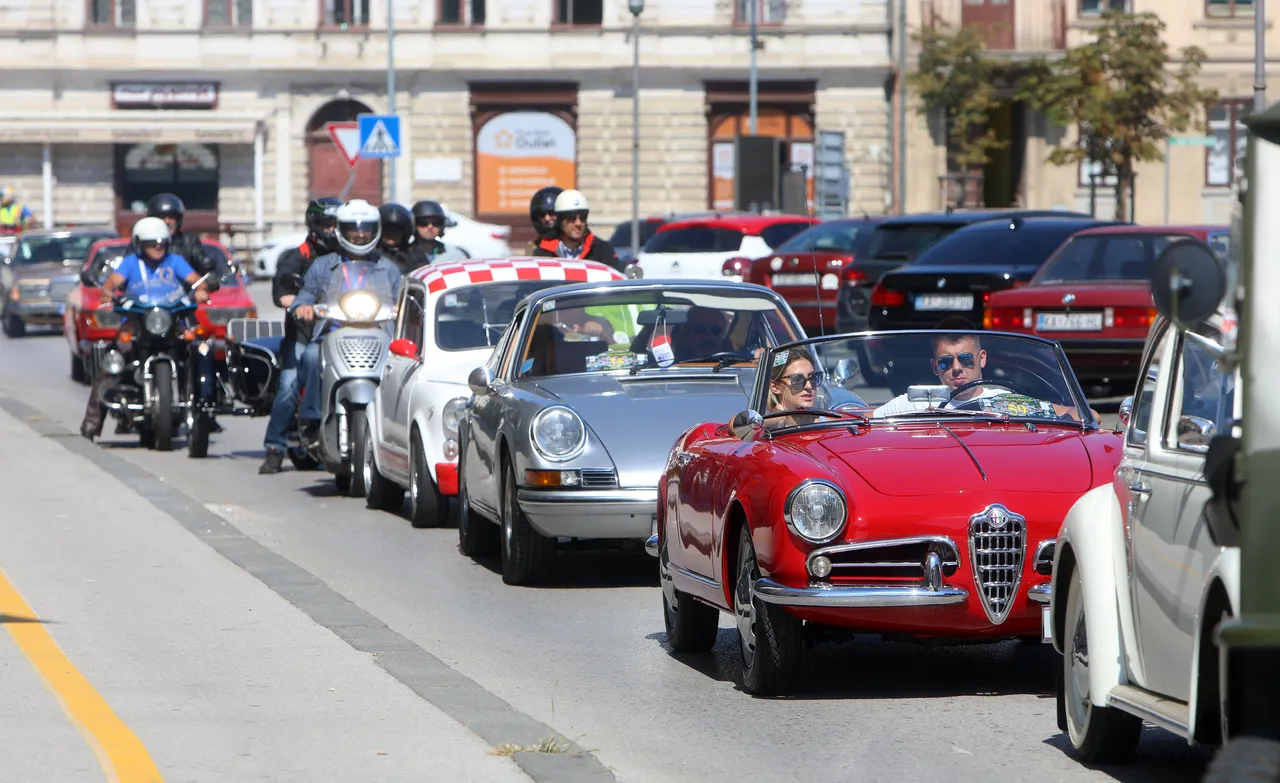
379 135
1192 141
346 137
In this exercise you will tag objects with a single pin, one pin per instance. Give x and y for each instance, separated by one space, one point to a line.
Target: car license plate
1046 624
1069 322
796 279
944 301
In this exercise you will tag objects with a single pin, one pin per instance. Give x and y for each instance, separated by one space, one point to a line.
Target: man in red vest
572 238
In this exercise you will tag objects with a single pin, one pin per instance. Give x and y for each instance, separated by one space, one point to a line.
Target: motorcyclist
430 221
359 229
397 236
170 209
322 222
152 258
542 214
14 215
572 238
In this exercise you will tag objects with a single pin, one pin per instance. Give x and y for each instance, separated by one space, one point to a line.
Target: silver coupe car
574 416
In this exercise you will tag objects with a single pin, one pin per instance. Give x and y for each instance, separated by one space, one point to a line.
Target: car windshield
54 249
622 234
475 316
894 376
904 241
106 259
998 245
227 272
848 238
695 239
778 233
1106 257
650 329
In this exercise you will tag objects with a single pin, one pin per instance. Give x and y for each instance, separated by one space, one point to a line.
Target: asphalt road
438 661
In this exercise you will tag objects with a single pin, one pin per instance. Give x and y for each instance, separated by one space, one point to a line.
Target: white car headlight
360 306
452 415
816 511
558 434
158 322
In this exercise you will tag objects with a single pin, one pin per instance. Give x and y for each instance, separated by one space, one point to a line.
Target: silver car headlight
453 411
816 511
558 434
158 322
360 306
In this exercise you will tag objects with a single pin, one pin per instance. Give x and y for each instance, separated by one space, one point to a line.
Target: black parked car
898 240
956 275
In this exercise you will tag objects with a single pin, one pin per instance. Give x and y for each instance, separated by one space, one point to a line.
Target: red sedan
921 505
1094 297
86 326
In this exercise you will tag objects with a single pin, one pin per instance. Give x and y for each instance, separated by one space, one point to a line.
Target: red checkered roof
439 277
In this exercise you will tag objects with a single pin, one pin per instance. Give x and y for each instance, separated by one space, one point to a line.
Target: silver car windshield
475 316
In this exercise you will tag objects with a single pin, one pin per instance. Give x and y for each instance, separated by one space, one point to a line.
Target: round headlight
158 322
558 434
113 362
360 306
816 511
453 411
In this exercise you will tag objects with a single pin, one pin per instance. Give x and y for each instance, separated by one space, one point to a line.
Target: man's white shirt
901 404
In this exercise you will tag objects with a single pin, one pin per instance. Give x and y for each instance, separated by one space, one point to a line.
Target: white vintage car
450 318
1142 576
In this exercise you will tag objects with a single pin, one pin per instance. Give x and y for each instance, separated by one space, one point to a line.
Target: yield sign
346 137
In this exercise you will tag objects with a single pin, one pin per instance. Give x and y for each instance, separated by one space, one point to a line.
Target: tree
1123 94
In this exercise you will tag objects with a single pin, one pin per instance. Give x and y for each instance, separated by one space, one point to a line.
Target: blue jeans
286 401
309 372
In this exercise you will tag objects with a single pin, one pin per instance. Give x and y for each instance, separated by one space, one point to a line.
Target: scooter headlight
158 322
360 306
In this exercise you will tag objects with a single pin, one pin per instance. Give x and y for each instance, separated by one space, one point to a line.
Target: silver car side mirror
633 271
1126 412
480 380
748 427
1195 432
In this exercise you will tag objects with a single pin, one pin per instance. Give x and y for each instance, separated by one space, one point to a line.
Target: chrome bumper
37 310
856 597
587 513
1040 593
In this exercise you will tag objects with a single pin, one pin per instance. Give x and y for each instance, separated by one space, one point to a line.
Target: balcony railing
1026 27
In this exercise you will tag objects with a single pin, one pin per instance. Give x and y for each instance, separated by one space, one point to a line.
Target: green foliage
955 75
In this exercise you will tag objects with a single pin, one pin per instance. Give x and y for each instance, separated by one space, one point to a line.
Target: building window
1100 7
767 11
466 13
580 12
1229 8
189 171
228 13
1230 140
346 13
785 112
113 13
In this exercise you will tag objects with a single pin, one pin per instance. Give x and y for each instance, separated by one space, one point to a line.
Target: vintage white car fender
1225 569
426 408
373 420
1089 532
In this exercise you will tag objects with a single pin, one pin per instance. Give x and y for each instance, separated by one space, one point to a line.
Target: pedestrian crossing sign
379 135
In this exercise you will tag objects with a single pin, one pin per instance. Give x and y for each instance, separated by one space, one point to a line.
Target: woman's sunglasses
798 381
966 361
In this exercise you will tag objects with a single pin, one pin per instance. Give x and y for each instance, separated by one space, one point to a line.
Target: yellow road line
119 751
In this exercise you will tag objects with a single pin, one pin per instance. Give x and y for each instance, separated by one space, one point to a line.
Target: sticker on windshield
526 365
616 360
548 305
780 359
450 300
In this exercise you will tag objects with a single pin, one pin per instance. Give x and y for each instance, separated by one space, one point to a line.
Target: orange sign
517 154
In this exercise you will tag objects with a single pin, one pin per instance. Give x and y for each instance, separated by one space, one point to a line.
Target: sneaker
272 463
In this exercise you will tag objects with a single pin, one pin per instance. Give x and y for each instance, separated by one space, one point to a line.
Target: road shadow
16 618
594 569
1161 757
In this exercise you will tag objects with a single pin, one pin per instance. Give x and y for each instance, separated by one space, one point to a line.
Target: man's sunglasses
437 222
147 244
967 361
798 381
573 217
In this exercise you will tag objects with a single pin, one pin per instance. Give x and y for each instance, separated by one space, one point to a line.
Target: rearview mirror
404 347
748 426
846 370
480 381
670 317
935 396
1188 282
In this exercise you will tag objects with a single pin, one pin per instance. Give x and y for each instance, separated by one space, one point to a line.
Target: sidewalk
215 674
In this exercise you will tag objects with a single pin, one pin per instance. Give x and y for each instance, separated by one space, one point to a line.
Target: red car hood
1092 293
230 297
922 459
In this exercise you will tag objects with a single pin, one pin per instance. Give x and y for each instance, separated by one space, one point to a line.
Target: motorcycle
356 314
157 346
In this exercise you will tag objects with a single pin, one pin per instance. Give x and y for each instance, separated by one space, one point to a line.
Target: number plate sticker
1069 322
795 279
1046 624
944 301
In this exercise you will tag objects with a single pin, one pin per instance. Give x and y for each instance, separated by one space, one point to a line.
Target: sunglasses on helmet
798 381
967 361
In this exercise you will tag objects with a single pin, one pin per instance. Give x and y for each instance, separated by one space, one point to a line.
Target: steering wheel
982 382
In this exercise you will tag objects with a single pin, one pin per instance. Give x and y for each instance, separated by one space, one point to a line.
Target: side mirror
480 381
748 426
1188 283
633 271
404 347
1126 411
89 279
1195 432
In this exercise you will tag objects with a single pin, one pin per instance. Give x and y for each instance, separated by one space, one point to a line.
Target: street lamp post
753 86
1259 56
636 7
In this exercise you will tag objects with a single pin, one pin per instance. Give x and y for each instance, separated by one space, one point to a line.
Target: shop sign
109 133
519 153
148 95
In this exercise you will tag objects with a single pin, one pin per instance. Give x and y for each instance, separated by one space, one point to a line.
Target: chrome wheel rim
366 470
413 480
1076 681
508 522
744 611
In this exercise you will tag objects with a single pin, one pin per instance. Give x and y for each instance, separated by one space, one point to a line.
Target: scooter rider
430 221
542 214
573 239
152 257
397 236
322 222
359 228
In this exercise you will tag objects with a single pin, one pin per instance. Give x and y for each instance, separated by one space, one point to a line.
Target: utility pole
636 7
1259 56
752 7
902 107
391 91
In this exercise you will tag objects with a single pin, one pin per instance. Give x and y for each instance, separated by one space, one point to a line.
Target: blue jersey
139 277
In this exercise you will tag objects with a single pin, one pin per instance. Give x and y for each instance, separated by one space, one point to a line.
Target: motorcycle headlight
113 363
558 434
158 322
360 306
816 511
453 412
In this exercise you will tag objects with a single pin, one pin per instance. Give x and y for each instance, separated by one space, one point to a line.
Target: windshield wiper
944 412
722 359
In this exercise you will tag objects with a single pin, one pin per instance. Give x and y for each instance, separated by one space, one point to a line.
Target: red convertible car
85 326
918 502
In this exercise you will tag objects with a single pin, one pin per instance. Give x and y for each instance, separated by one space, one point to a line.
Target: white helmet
150 229
571 201
359 227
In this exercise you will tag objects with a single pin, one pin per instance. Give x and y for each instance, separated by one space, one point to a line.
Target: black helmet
397 223
164 205
424 211
544 203
322 222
